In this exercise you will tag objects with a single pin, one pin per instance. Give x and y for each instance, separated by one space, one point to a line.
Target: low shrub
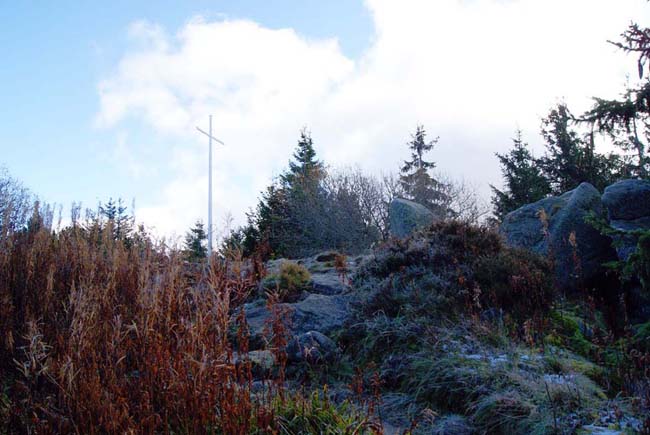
517 281
290 281
452 269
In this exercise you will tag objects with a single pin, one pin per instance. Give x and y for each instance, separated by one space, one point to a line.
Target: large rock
407 216
565 214
628 208
322 313
627 200
312 347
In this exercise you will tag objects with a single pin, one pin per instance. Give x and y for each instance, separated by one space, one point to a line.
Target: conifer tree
304 166
417 182
523 179
570 160
195 242
122 224
627 120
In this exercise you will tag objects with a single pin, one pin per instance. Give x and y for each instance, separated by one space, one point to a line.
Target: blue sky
54 55
100 99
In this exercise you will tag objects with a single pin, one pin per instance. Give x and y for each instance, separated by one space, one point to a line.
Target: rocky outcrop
322 313
407 216
628 208
549 233
312 347
323 308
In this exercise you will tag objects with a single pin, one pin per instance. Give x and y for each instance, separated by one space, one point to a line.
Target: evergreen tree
416 181
626 122
523 179
636 40
301 214
272 219
305 166
120 222
195 242
570 160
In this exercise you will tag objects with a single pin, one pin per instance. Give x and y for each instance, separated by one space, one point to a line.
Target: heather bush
462 324
453 268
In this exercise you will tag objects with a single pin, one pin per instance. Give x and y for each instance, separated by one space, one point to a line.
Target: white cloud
469 70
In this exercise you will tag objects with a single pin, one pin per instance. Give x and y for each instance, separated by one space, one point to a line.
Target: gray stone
628 208
322 313
330 283
326 257
565 214
312 347
627 200
407 216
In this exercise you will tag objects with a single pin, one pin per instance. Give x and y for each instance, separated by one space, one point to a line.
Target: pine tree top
304 164
418 146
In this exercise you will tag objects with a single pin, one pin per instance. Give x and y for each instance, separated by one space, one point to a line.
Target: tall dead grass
99 335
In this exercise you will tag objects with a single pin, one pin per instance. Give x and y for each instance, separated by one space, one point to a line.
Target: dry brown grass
118 336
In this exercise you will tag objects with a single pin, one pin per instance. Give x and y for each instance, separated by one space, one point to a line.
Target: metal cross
210 139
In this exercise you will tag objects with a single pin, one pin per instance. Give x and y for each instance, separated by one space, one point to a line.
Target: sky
101 99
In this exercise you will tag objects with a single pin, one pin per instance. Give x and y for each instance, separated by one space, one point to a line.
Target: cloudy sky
101 99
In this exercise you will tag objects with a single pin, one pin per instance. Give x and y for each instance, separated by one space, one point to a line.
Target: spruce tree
417 182
120 221
626 122
523 179
195 242
569 159
304 166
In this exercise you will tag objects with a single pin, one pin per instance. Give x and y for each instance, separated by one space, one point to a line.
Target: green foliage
195 240
626 120
118 221
290 282
416 181
523 179
636 40
638 264
306 211
305 167
234 244
569 160
315 414
568 331
636 268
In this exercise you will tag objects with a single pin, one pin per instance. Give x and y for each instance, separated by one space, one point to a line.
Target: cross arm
208 135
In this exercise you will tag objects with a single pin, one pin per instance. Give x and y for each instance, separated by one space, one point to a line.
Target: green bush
291 280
